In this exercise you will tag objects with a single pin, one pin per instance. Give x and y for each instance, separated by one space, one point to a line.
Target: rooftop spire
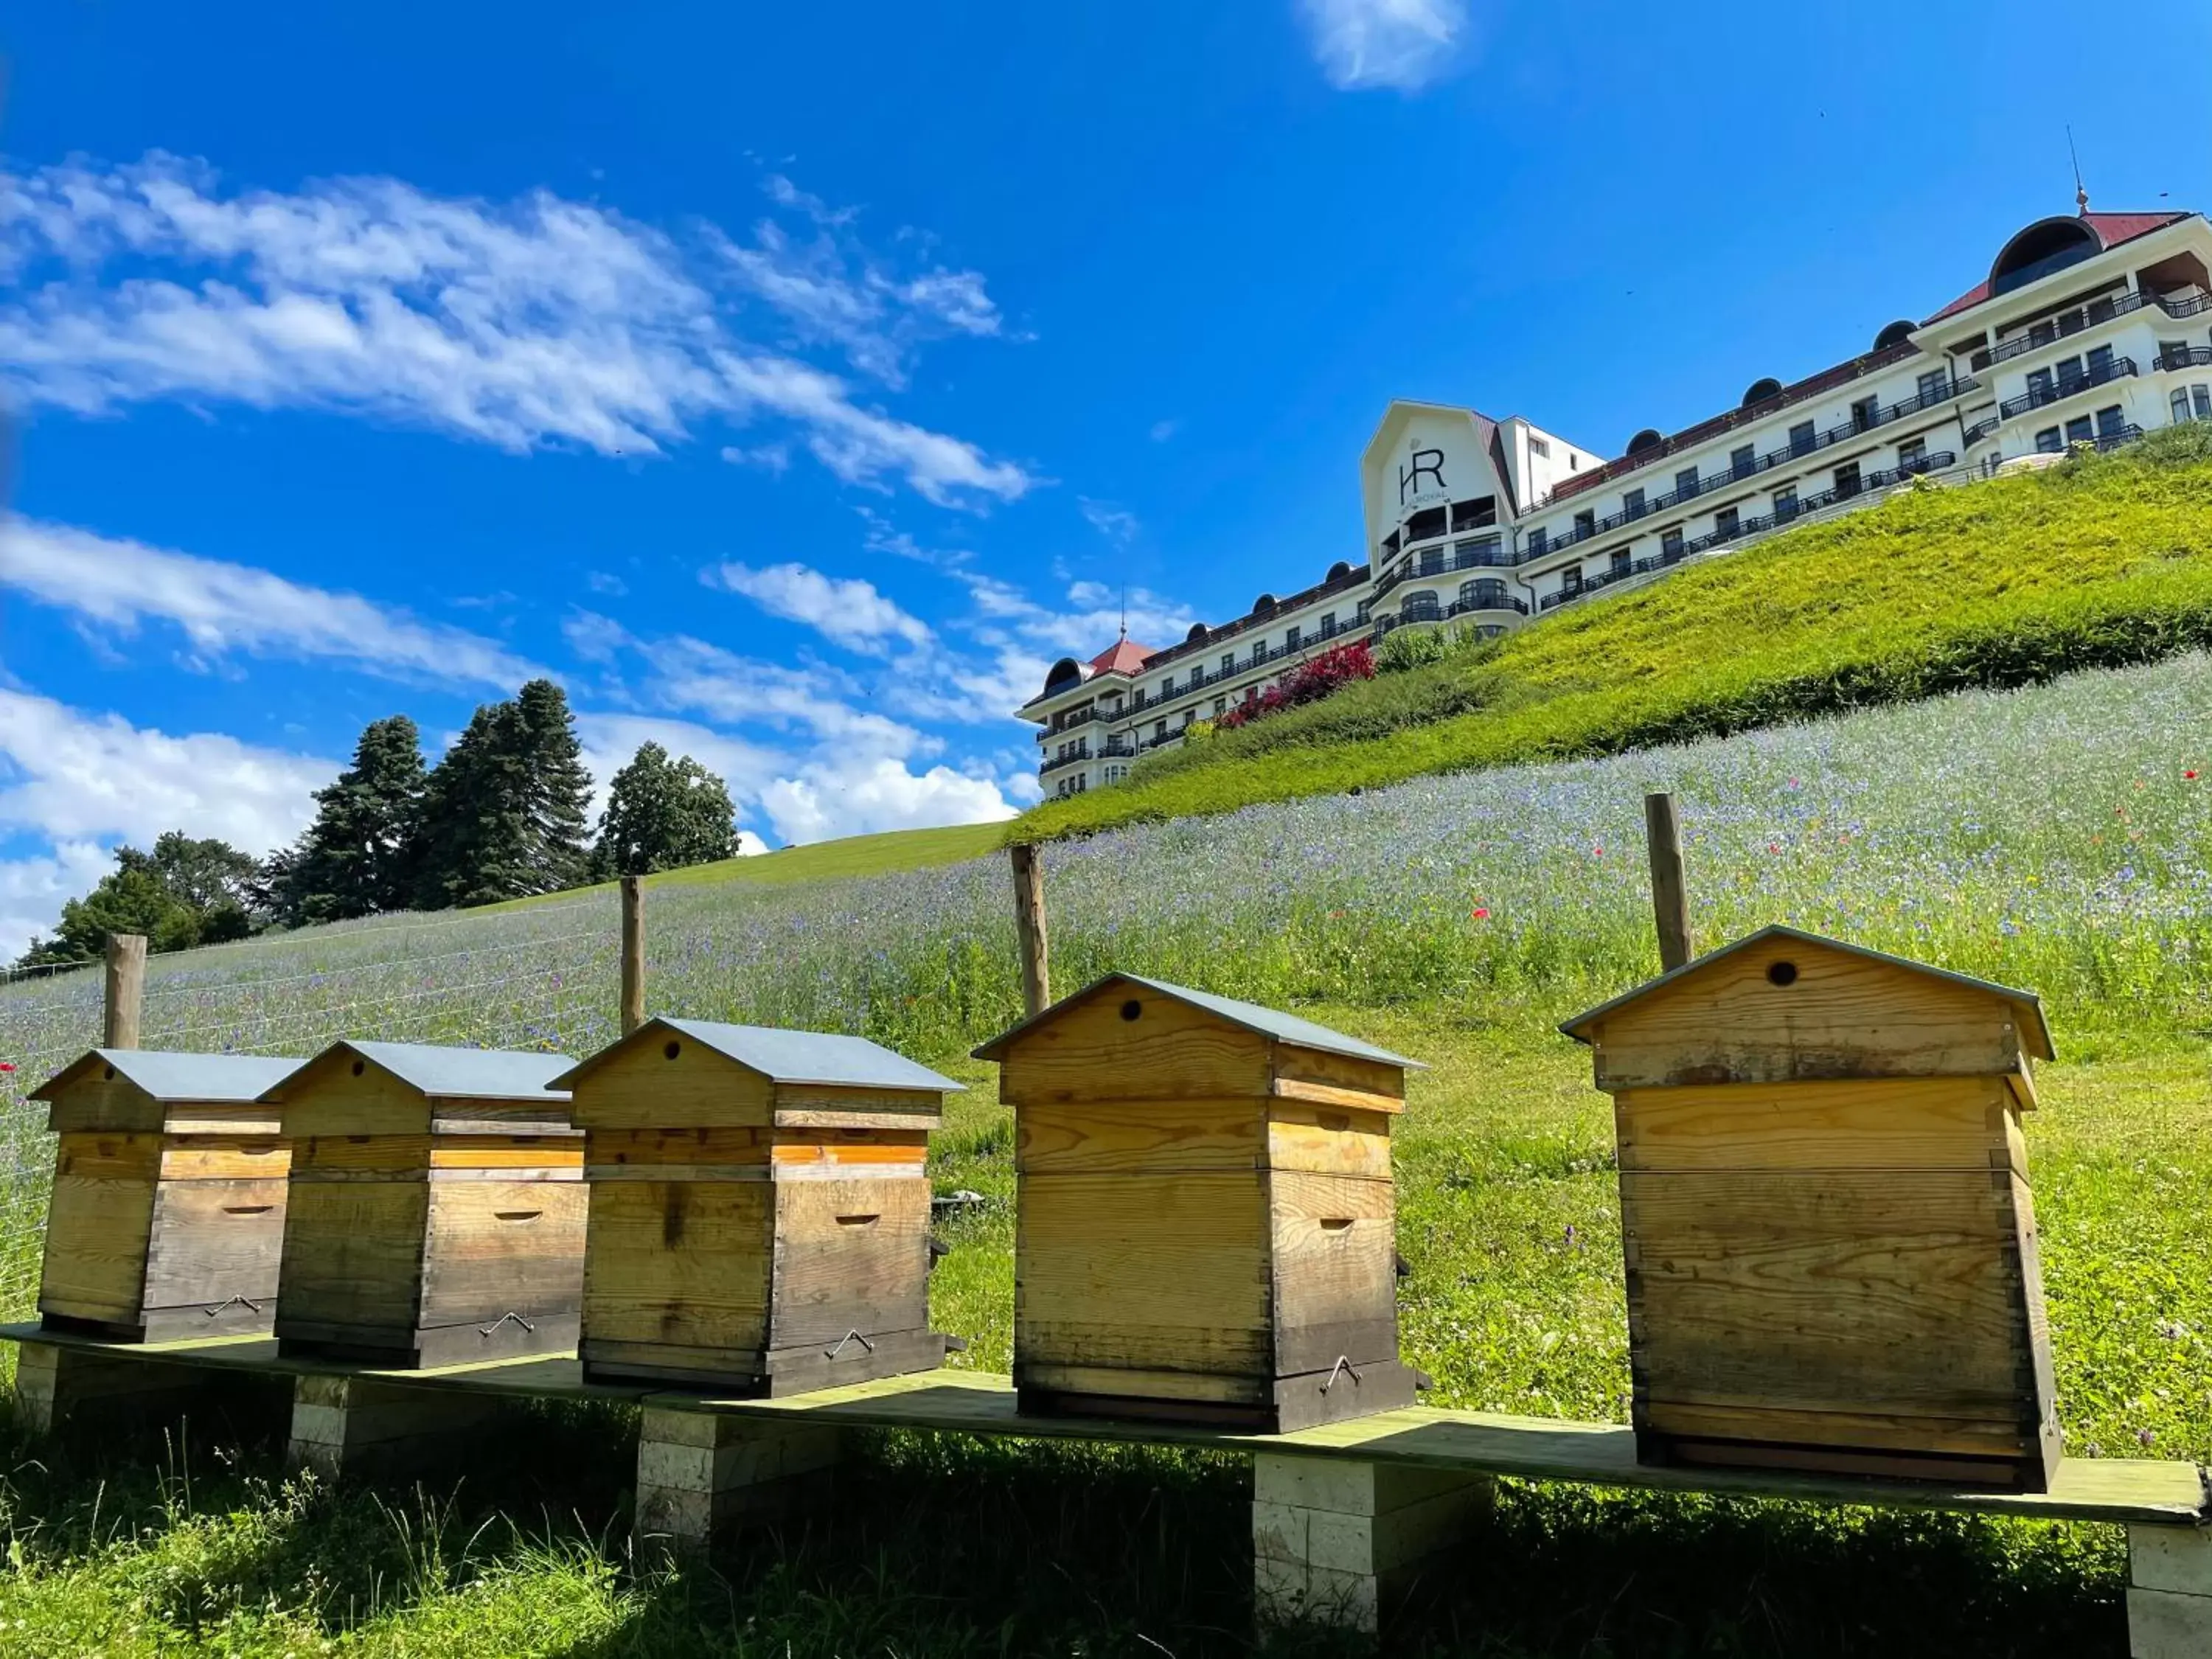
2081 192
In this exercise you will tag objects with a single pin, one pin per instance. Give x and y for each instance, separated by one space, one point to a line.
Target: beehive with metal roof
437 1205
1829 1232
1208 1220
760 1207
167 1213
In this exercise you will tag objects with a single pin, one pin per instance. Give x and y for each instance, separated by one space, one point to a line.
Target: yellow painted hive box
760 1208
167 1215
1825 1214
1207 1228
437 1205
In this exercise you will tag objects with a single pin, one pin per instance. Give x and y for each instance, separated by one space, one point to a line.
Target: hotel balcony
2040 335
2067 386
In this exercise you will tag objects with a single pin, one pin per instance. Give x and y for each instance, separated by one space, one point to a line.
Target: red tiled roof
2112 229
1126 657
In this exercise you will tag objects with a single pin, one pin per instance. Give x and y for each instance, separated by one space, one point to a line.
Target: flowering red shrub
1310 682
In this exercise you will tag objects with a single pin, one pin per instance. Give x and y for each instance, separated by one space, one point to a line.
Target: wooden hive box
1206 1230
167 1215
437 1205
760 1208
1829 1234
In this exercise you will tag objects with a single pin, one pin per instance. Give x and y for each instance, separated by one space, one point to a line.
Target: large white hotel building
2090 328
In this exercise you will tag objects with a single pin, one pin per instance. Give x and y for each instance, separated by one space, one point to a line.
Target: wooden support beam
2169 1592
126 990
1670 895
1030 930
1335 1541
63 1386
344 1424
633 953
699 1472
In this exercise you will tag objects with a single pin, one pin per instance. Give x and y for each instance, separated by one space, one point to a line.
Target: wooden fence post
633 954
1029 928
126 990
1670 896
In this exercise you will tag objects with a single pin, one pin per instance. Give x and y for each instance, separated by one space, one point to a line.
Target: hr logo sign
1425 464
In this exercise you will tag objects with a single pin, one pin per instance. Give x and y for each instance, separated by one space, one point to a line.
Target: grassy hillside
883 855
2099 562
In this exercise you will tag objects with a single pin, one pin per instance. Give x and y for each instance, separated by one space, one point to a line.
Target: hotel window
1618 565
1259 651
1188 715
1421 607
1631 504
1847 479
2180 401
1537 542
2110 420
1726 523
2203 402
1538 446
1167 687
1935 386
1785 504
1159 730
1866 412
1585 524
1483 550
1220 705
1743 460
2039 387
2173 354
2069 372
2079 431
1366 609
1686 483
1571 580
1913 453
1229 662
1474 514
1432 560
2049 442
1328 625
1484 593
1800 437
2101 362
1670 544
1290 637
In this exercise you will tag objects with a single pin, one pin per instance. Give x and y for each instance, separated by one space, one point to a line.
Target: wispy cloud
1163 430
1116 524
847 609
1405 44
539 322
222 607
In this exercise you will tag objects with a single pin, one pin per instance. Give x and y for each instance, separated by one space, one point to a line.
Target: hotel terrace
2089 329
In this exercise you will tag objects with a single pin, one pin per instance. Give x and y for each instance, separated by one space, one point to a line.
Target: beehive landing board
166 1215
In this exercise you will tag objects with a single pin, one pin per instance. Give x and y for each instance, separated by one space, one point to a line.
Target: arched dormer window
2046 245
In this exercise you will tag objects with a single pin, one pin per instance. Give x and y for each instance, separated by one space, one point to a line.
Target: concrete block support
2169 1592
698 1473
56 1385
348 1426
1333 1541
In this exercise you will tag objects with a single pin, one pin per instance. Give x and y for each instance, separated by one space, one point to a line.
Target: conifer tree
557 789
357 857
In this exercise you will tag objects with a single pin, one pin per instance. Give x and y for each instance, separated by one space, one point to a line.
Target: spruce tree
663 815
474 840
557 789
356 857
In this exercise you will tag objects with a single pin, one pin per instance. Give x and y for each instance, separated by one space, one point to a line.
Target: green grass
2102 562
882 855
941 1546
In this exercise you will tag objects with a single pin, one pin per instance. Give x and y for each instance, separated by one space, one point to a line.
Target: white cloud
72 774
1008 615
542 321
1405 44
612 741
750 846
847 609
32 890
605 581
830 289
1116 524
1163 430
224 607
859 797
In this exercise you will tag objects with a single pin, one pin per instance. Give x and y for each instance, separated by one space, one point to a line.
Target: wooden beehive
760 1208
167 1215
1206 1230
1829 1234
437 1205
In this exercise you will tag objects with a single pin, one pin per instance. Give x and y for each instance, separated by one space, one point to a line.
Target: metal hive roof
820 1057
460 1073
227 1080
1268 1021
2025 1002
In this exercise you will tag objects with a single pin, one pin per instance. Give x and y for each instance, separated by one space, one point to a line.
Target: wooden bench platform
1342 1512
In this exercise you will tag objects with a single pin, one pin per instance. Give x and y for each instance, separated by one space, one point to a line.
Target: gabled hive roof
1251 1016
225 1079
819 1058
452 1073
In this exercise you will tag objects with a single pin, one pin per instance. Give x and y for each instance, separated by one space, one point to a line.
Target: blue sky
794 385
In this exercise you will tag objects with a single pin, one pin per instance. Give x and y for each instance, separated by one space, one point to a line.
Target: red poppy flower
1481 912
7 1064
2190 773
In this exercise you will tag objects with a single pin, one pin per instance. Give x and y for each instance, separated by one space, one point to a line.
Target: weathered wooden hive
167 1215
437 1205
1825 1209
1207 1226
760 1207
